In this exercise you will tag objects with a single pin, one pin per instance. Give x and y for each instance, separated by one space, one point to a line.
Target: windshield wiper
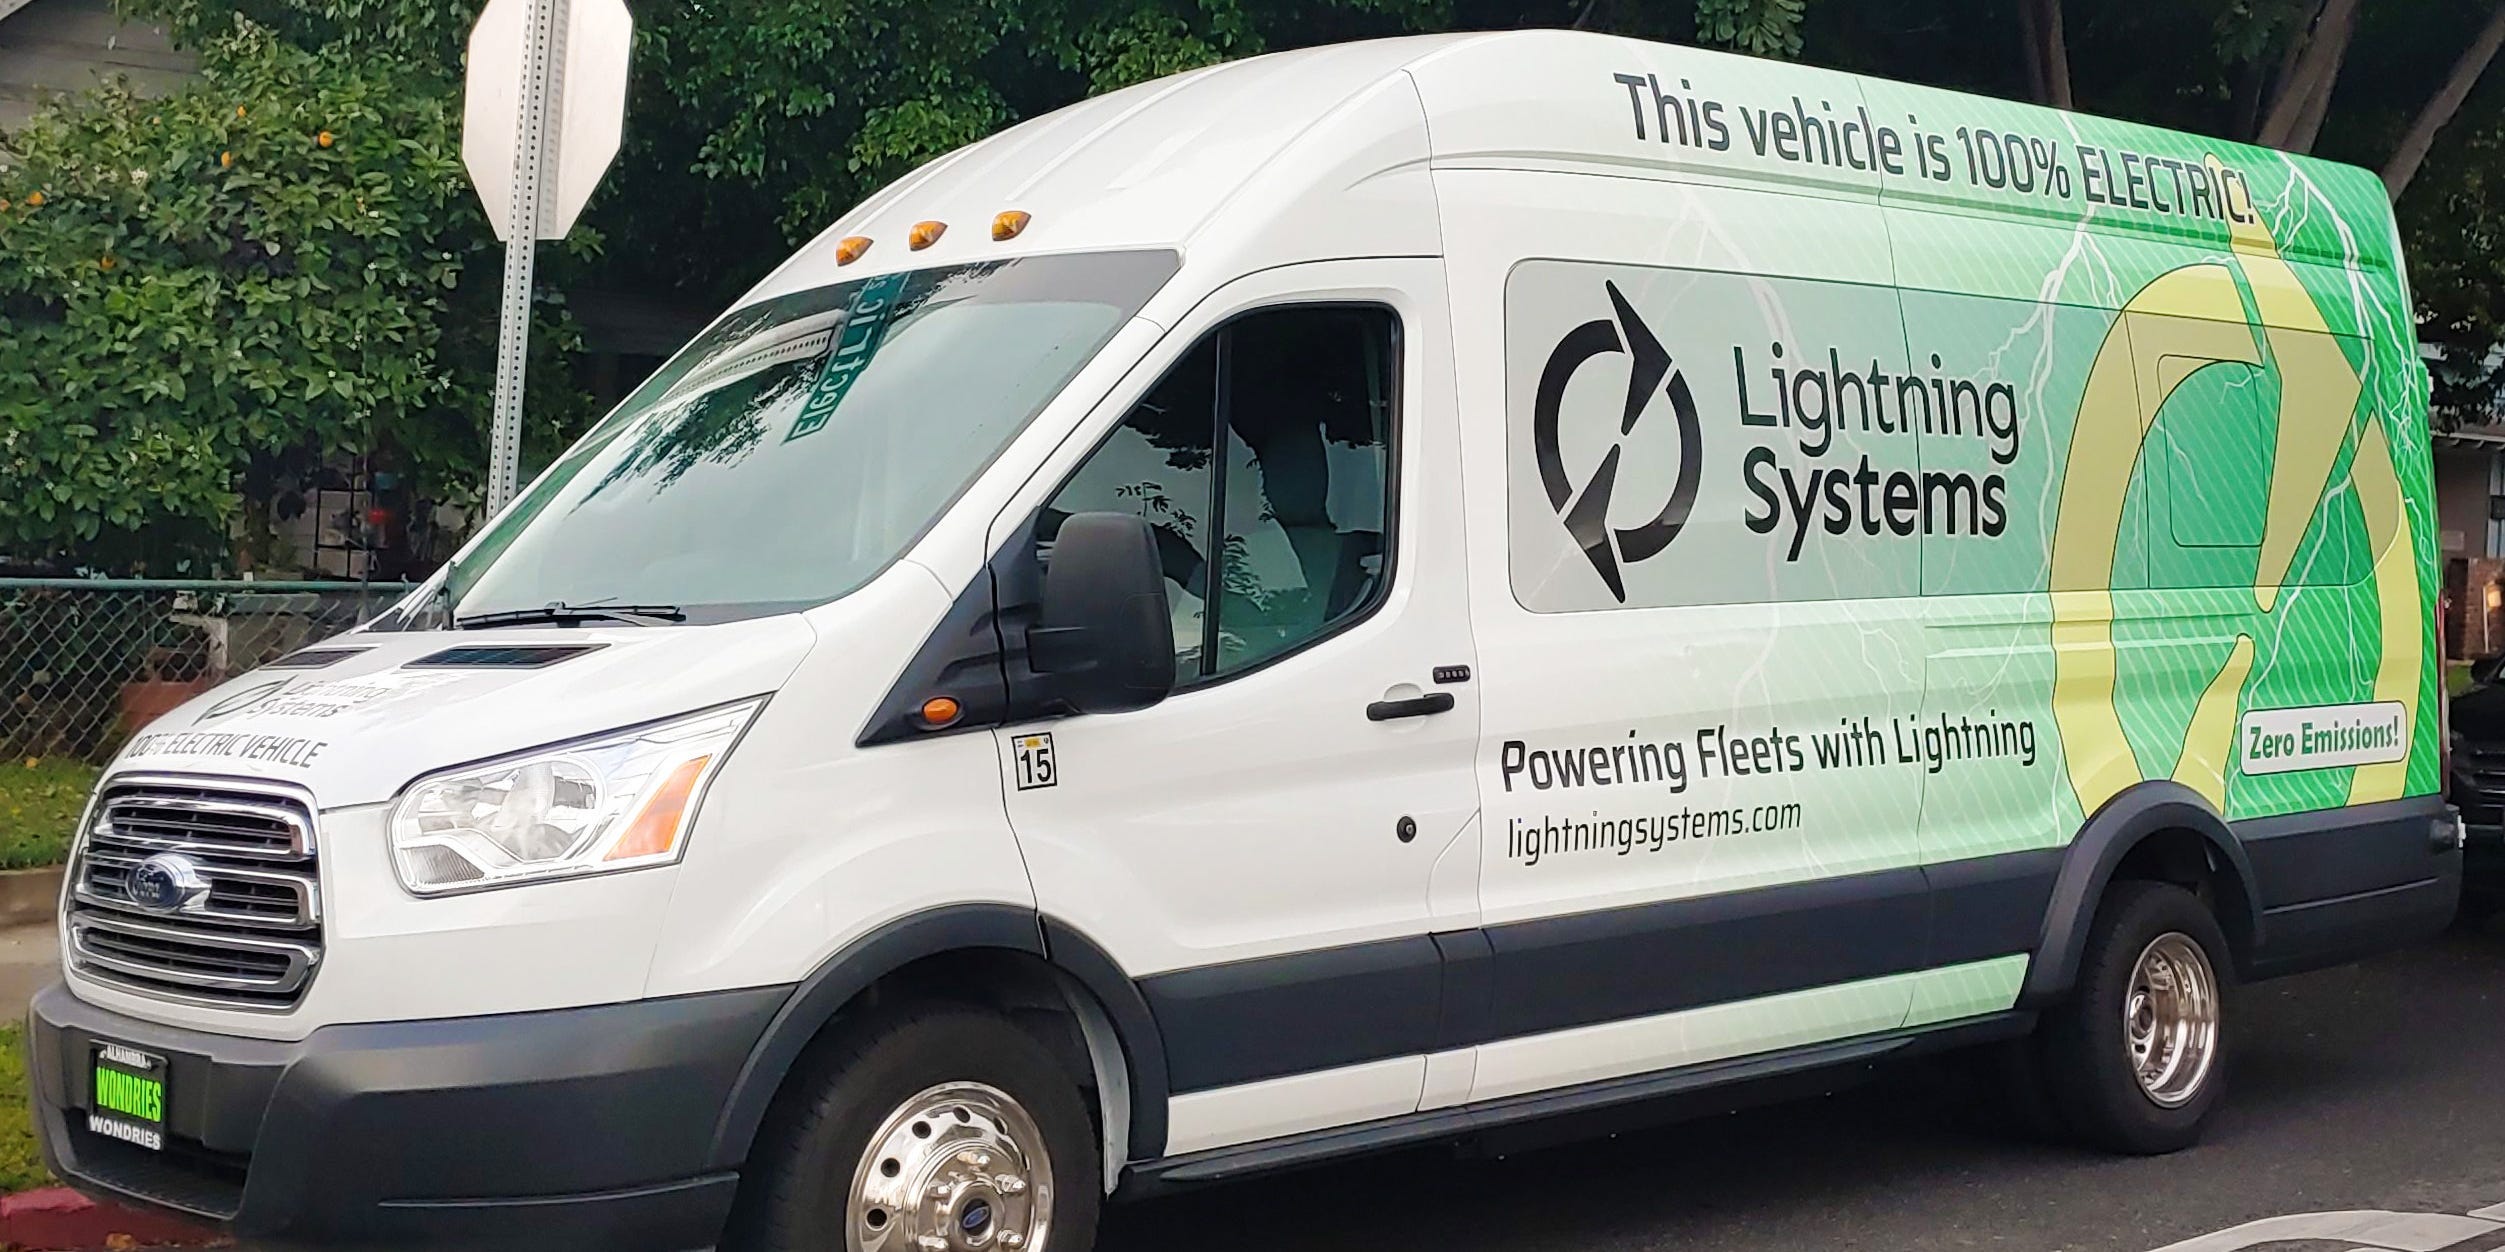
559 613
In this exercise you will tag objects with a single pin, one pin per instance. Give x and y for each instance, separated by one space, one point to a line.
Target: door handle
1415 706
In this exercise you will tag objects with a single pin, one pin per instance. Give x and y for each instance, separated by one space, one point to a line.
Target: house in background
51 46
2470 507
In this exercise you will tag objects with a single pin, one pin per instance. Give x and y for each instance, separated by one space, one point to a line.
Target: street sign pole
540 122
542 62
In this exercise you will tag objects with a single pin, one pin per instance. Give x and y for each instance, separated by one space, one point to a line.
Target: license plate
128 1096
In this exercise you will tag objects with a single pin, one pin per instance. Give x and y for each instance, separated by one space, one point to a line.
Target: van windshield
801 444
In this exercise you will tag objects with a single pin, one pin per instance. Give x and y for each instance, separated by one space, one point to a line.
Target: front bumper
587 1128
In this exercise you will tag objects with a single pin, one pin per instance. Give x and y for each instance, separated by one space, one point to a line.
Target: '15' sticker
1034 762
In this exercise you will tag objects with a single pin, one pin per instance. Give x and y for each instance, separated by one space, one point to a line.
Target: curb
57 1219
30 896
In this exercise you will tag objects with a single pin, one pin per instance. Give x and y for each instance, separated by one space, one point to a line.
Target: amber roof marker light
1009 223
924 234
849 248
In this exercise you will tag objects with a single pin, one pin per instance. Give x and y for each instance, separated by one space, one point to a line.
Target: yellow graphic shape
2400 609
2317 396
2183 322
2185 319
2209 743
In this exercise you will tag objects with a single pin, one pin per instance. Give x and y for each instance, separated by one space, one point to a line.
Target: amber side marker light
1009 223
656 829
925 234
849 248
940 711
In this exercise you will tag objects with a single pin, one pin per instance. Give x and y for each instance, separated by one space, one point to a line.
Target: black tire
794 1193
2085 1057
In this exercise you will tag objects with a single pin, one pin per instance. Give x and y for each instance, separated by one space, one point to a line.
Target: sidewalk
30 958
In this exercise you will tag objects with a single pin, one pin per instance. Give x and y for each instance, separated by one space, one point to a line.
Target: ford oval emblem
166 882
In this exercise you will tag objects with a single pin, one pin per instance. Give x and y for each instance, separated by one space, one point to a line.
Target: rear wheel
938 1129
2135 1061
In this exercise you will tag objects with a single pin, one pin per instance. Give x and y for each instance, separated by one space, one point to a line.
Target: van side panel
2240 537
2224 540
2140 497
2237 523
1668 853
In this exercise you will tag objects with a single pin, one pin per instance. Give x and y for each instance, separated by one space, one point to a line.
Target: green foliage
40 801
1766 28
282 261
753 126
427 36
1149 44
759 126
800 109
2249 30
2454 215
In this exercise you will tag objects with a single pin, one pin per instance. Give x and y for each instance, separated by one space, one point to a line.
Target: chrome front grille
205 894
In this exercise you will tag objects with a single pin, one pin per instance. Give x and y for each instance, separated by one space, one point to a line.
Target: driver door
1261 850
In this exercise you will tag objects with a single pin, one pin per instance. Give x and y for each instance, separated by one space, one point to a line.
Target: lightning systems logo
1585 510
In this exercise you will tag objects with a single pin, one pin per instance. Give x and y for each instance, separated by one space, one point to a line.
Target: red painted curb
57 1219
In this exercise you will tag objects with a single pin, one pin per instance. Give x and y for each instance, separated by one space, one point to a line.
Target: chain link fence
86 662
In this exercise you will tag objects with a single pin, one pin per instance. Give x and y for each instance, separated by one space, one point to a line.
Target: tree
2454 218
2048 52
763 123
2443 105
2309 72
2312 56
278 264
1766 28
753 127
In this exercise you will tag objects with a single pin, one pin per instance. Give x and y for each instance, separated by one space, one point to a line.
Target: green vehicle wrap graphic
2120 458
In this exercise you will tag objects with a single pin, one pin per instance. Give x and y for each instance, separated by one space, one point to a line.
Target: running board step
1722 1082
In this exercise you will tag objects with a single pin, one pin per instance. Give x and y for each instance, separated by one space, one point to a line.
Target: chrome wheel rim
961 1167
2170 1019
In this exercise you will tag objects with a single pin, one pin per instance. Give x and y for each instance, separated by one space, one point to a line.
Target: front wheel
938 1129
2135 1061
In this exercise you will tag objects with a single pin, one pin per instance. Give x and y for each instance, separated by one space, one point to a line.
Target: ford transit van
1353 597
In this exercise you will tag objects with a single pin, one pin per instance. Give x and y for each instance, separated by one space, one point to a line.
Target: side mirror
2485 670
1103 629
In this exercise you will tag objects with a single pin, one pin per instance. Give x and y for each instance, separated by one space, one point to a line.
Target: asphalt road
2377 1087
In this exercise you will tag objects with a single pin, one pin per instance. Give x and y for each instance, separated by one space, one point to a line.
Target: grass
39 805
21 1162
2456 677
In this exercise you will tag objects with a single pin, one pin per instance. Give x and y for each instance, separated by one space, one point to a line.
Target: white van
1353 597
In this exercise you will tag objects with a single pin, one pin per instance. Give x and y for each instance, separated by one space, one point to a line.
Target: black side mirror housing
1103 631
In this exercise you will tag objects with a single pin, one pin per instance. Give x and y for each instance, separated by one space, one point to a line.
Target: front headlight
593 806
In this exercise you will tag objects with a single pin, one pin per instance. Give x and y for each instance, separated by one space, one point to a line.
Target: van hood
391 707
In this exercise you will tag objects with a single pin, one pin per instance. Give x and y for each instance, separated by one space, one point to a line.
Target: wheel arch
1106 1005
2150 823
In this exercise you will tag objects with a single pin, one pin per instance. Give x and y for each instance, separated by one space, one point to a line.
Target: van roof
1156 164
1147 166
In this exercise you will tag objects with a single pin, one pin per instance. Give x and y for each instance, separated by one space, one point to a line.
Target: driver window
1300 400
